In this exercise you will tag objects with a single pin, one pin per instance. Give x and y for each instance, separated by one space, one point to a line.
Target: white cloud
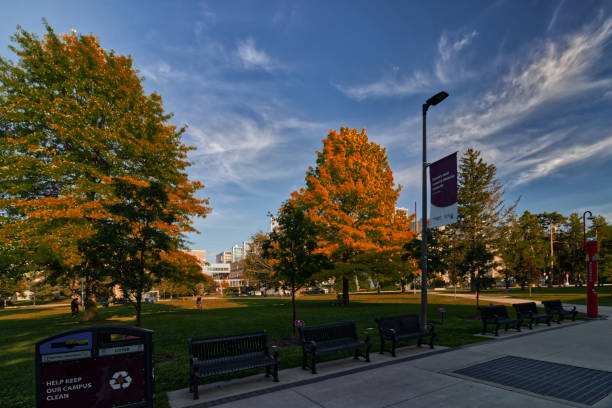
553 19
390 86
236 149
446 67
554 71
253 58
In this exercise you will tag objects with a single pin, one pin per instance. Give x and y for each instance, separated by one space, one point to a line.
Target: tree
477 262
142 241
74 116
481 209
551 222
351 196
291 250
256 268
524 250
602 231
573 256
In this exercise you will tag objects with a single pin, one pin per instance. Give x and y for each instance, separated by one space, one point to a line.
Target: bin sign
95 367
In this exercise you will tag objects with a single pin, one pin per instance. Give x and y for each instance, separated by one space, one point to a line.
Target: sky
259 84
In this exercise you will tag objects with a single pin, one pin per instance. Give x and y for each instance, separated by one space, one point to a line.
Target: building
200 254
236 279
273 223
239 252
224 257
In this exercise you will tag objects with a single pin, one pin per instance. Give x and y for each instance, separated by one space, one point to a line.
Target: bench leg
393 345
531 324
382 345
518 325
484 328
194 383
356 356
497 329
548 320
367 354
275 372
431 341
574 316
304 358
267 371
314 363
419 342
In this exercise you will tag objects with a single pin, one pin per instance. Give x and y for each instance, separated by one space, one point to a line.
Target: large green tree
291 250
73 117
524 248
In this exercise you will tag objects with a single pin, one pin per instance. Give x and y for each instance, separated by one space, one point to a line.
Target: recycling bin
95 367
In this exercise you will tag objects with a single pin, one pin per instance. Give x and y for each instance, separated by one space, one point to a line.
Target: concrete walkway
418 377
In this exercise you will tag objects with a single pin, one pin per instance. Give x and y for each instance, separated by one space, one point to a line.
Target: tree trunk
345 291
90 312
293 308
472 283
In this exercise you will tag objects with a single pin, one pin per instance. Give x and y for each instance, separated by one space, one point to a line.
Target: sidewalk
419 378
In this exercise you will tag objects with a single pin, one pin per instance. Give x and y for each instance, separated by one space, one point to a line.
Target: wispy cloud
253 58
446 67
553 19
553 72
391 86
446 64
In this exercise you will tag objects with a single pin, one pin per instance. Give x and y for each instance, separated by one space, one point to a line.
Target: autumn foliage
351 195
75 120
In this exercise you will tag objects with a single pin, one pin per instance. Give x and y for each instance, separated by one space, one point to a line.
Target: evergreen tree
481 208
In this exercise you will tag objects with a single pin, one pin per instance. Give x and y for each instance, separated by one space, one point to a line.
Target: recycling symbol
120 379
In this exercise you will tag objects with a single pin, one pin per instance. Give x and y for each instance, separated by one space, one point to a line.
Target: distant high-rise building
224 257
273 223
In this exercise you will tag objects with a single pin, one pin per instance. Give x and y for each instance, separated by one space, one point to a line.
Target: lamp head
437 98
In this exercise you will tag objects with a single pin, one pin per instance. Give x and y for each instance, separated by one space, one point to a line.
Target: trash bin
95 367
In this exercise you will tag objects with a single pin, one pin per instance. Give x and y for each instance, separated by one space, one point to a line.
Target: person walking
199 302
74 306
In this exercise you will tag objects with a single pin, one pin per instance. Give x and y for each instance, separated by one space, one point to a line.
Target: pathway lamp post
433 101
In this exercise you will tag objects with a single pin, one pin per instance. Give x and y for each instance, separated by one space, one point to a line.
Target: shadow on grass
174 323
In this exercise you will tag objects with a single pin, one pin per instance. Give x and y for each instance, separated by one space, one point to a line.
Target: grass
575 295
175 322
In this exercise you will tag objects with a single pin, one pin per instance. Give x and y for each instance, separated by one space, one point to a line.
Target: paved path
421 380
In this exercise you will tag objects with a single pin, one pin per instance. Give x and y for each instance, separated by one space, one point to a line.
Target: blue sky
260 83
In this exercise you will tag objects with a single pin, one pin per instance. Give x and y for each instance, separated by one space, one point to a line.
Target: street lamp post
433 101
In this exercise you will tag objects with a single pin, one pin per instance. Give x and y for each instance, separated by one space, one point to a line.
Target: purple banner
443 182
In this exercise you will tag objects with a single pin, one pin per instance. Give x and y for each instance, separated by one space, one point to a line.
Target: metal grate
570 383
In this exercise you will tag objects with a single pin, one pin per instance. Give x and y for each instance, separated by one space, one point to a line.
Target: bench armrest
367 338
388 333
275 352
432 327
310 345
193 362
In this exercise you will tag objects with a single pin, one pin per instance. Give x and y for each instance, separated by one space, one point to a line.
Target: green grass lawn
571 294
175 322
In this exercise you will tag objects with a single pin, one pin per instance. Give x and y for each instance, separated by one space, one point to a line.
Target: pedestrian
74 306
199 302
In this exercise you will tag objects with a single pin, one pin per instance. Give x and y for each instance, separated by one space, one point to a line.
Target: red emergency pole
592 301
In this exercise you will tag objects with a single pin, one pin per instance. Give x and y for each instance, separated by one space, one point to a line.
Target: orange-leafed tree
350 194
74 117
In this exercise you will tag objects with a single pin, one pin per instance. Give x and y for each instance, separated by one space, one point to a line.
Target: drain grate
570 383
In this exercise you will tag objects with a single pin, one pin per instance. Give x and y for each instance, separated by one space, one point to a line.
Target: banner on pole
443 182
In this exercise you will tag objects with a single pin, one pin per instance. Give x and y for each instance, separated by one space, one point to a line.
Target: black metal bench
554 307
331 338
497 315
223 355
529 310
402 328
